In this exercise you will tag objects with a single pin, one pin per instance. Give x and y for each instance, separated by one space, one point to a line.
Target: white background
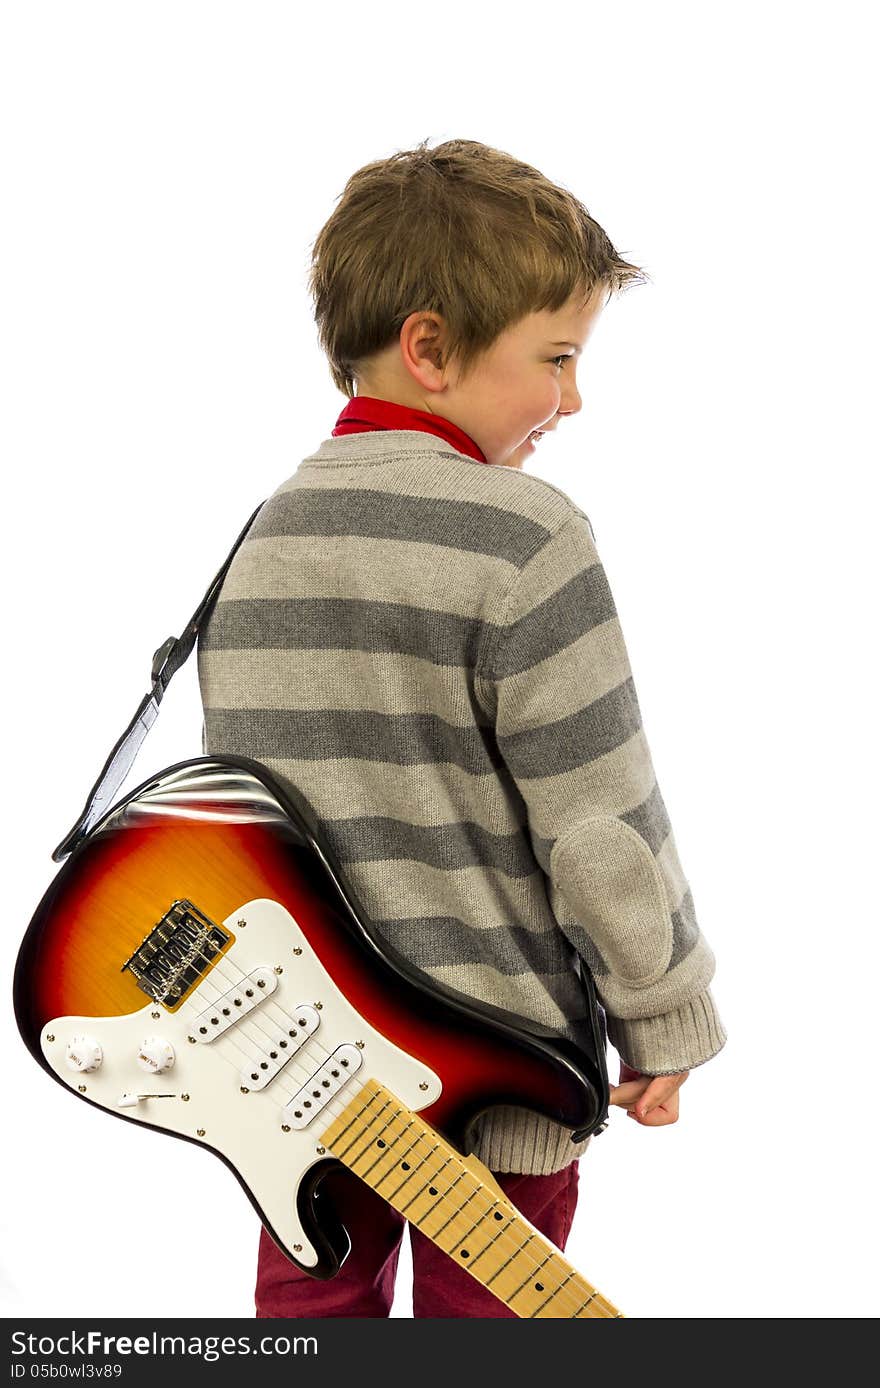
165 168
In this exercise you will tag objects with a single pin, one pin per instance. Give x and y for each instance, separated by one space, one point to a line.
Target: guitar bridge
176 954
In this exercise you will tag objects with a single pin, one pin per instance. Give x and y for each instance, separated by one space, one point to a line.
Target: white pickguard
246 1128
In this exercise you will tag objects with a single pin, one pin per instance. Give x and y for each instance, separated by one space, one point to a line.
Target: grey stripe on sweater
427 647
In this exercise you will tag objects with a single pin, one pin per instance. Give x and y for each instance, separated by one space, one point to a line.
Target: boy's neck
396 393
371 412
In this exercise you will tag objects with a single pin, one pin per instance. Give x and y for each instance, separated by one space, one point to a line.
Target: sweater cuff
676 1041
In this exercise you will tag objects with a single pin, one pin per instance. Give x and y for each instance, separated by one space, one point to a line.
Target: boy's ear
422 347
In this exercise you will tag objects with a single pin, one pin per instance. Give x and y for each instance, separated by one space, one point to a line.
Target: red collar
364 412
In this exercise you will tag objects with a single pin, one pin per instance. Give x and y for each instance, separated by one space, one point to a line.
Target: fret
393 1149
482 1219
437 1196
471 1234
387 1156
437 1202
345 1129
509 1260
553 1294
534 1273
576 1313
440 1201
404 1161
541 1275
417 1196
419 1186
523 1278
502 1229
421 1175
478 1236
383 1152
414 1173
561 1299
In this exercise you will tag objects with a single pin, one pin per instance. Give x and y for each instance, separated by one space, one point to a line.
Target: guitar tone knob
83 1054
155 1055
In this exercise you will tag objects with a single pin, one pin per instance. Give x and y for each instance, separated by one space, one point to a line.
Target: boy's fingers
628 1092
657 1117
662 1090
644 1096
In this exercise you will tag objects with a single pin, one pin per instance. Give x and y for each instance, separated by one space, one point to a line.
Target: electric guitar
199 965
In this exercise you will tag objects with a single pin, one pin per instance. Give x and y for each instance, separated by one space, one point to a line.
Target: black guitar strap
171 655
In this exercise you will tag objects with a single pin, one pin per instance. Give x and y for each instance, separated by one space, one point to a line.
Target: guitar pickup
234 1004
324 1084
280 1048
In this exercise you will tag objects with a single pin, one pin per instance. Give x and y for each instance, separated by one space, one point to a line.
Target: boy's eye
563 359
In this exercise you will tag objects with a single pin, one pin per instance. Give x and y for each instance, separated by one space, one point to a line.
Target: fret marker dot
379 1142
539 1286
464 1253
432 1190
405 1165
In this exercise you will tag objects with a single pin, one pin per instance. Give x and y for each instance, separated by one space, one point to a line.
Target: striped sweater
427 648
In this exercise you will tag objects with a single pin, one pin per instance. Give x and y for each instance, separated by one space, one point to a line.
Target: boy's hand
650 1099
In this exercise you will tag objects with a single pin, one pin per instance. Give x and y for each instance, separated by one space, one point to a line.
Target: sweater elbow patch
610 879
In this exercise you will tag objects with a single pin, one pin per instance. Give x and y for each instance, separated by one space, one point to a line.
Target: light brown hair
463 230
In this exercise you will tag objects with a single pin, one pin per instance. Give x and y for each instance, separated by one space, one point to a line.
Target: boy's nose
571 401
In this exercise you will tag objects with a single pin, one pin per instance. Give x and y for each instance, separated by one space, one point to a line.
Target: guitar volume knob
83 1054
155 1055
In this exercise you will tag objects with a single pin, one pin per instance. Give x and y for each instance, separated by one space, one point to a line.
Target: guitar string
249 1018
253 1018
260 1008
482 1190
296 1061
293 1063
508 1232
508 1238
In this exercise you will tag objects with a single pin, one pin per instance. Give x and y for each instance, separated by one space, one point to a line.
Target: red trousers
364 1285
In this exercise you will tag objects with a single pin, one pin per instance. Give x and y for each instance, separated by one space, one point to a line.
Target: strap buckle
160 658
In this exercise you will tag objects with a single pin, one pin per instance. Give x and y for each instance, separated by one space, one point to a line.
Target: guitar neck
455 1201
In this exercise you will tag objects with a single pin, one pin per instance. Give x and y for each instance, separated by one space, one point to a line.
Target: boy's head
460 281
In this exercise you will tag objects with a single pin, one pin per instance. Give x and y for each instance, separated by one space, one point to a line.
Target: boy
421 637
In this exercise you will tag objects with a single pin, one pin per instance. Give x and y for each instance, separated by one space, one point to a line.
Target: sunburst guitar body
200 966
